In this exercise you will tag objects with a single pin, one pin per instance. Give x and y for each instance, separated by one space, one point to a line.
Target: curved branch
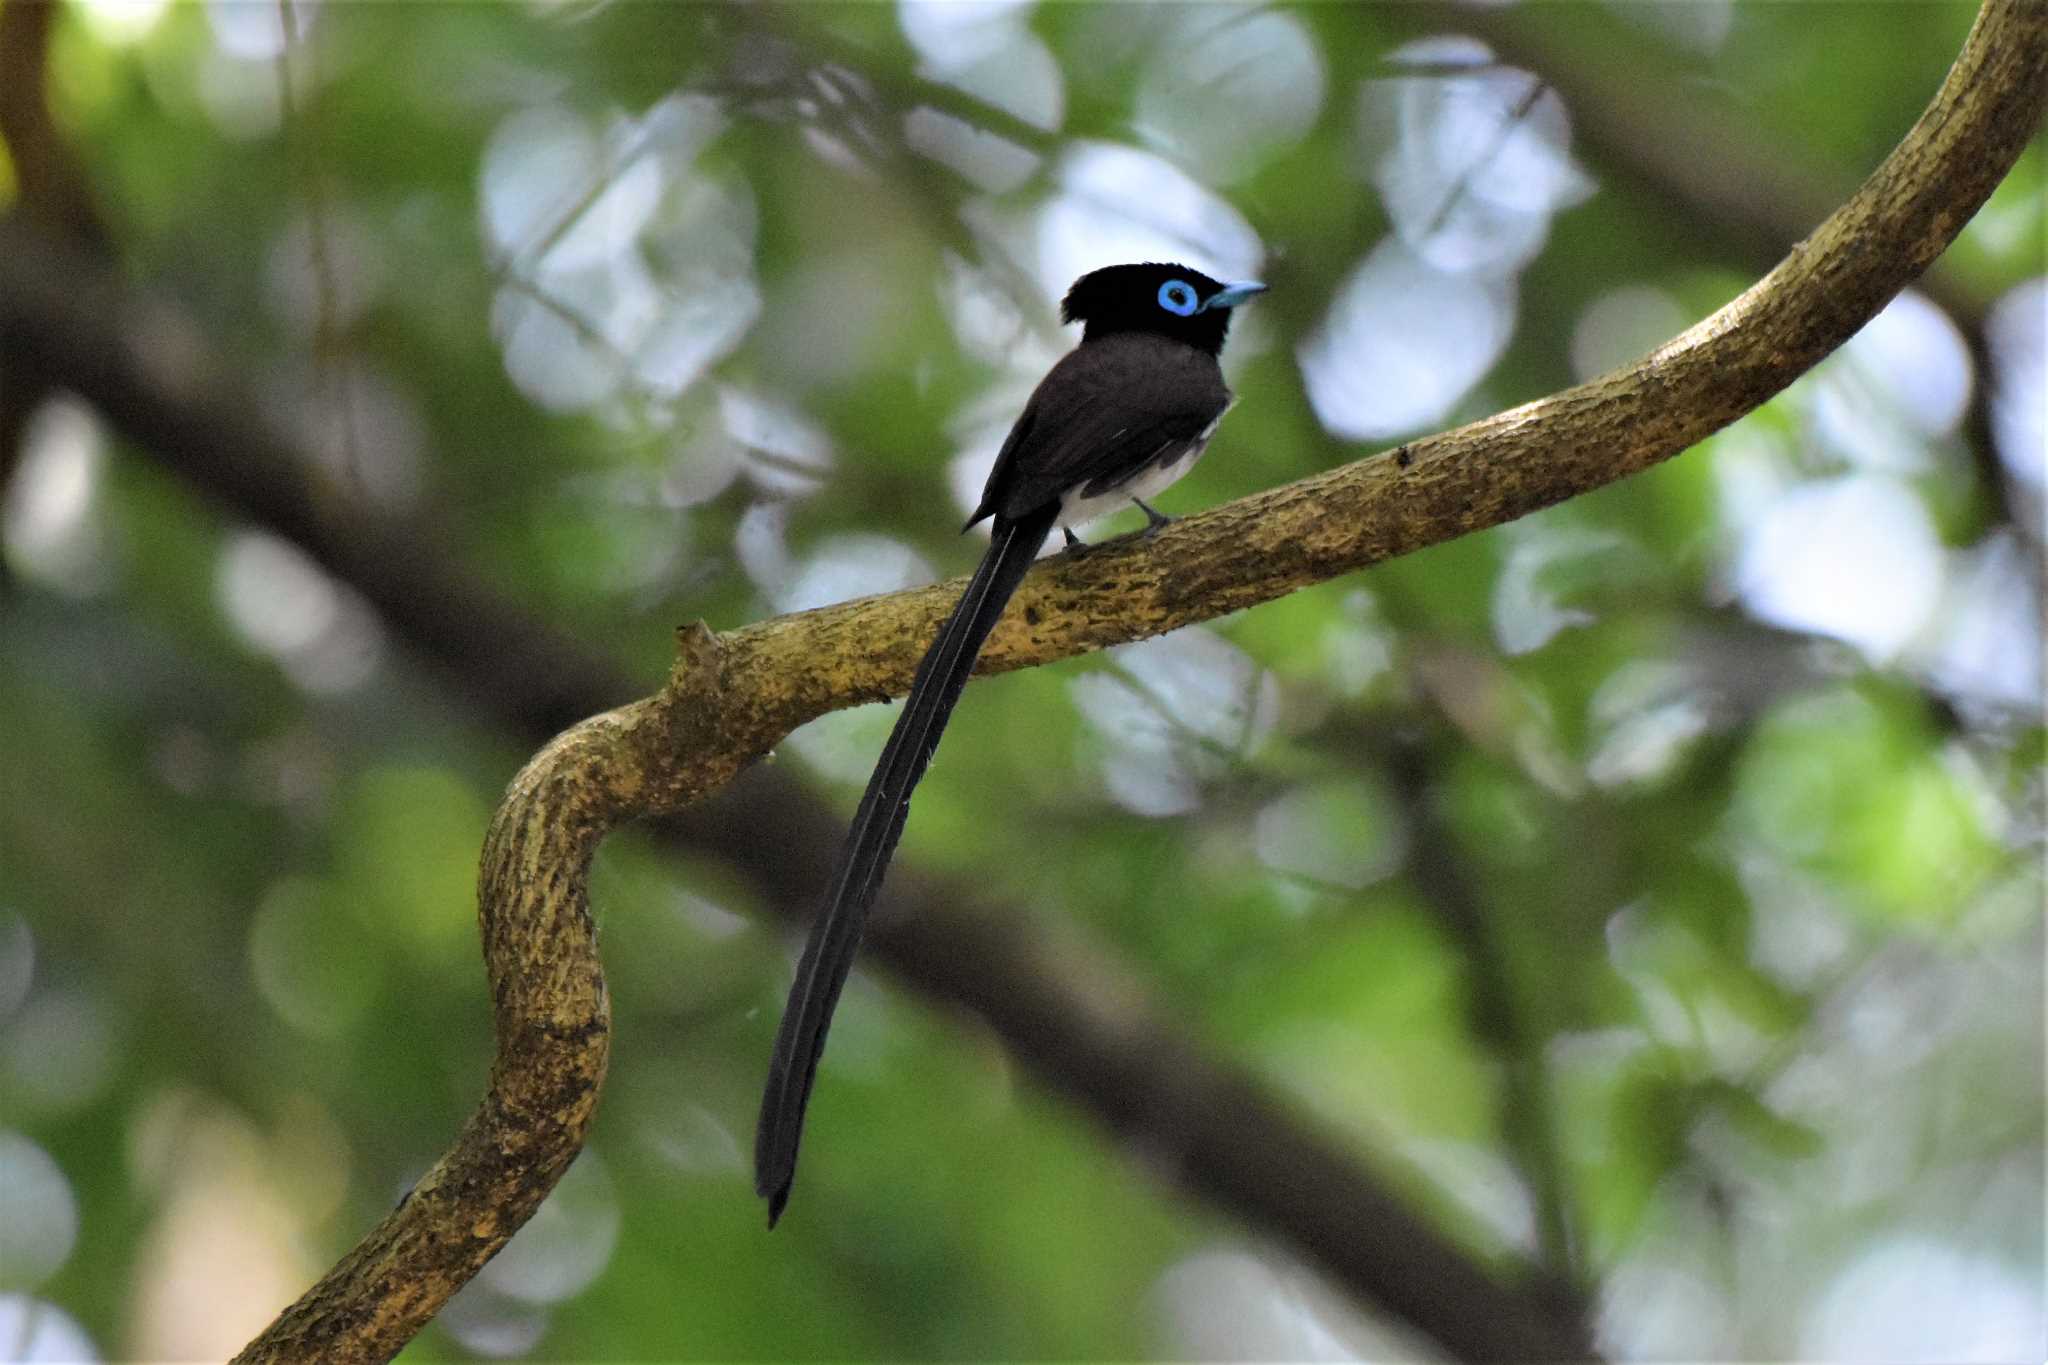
1728 179
1230 1139
553 1022
793 668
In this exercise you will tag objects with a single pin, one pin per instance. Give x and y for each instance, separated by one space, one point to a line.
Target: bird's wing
1107 411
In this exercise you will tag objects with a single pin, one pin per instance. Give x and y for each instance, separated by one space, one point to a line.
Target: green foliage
1750 926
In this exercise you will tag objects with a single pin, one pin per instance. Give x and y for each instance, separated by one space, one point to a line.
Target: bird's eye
1177 296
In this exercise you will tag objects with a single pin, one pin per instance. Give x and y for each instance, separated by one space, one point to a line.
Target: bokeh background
1650 889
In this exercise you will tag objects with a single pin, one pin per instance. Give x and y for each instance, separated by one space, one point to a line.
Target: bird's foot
1153 519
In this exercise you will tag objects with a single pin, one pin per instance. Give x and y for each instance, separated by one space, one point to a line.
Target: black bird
1120 417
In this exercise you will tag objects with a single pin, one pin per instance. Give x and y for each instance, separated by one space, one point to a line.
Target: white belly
1078 508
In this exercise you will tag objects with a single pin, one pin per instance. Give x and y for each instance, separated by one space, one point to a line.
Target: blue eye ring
1178 297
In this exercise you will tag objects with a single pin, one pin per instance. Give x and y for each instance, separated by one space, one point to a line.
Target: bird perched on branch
1120 417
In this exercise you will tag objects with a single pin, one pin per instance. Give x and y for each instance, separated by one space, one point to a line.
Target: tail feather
877 825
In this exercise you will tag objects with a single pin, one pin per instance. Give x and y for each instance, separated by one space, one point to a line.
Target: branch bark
1740 188
731 698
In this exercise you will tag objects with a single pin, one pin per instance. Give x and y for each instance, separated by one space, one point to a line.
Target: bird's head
1172 300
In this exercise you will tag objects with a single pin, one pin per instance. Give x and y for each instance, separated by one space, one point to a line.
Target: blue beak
1231 295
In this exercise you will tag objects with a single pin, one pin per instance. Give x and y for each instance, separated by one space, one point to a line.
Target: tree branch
789 670
731 698
950 941
1745 191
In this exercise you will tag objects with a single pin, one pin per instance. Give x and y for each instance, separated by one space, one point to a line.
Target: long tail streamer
877 825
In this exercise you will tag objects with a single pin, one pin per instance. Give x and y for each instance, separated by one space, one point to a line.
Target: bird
1117 419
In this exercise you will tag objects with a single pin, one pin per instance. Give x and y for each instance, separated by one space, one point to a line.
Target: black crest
1157 296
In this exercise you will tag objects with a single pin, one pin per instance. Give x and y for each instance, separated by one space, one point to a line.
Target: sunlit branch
1743 190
